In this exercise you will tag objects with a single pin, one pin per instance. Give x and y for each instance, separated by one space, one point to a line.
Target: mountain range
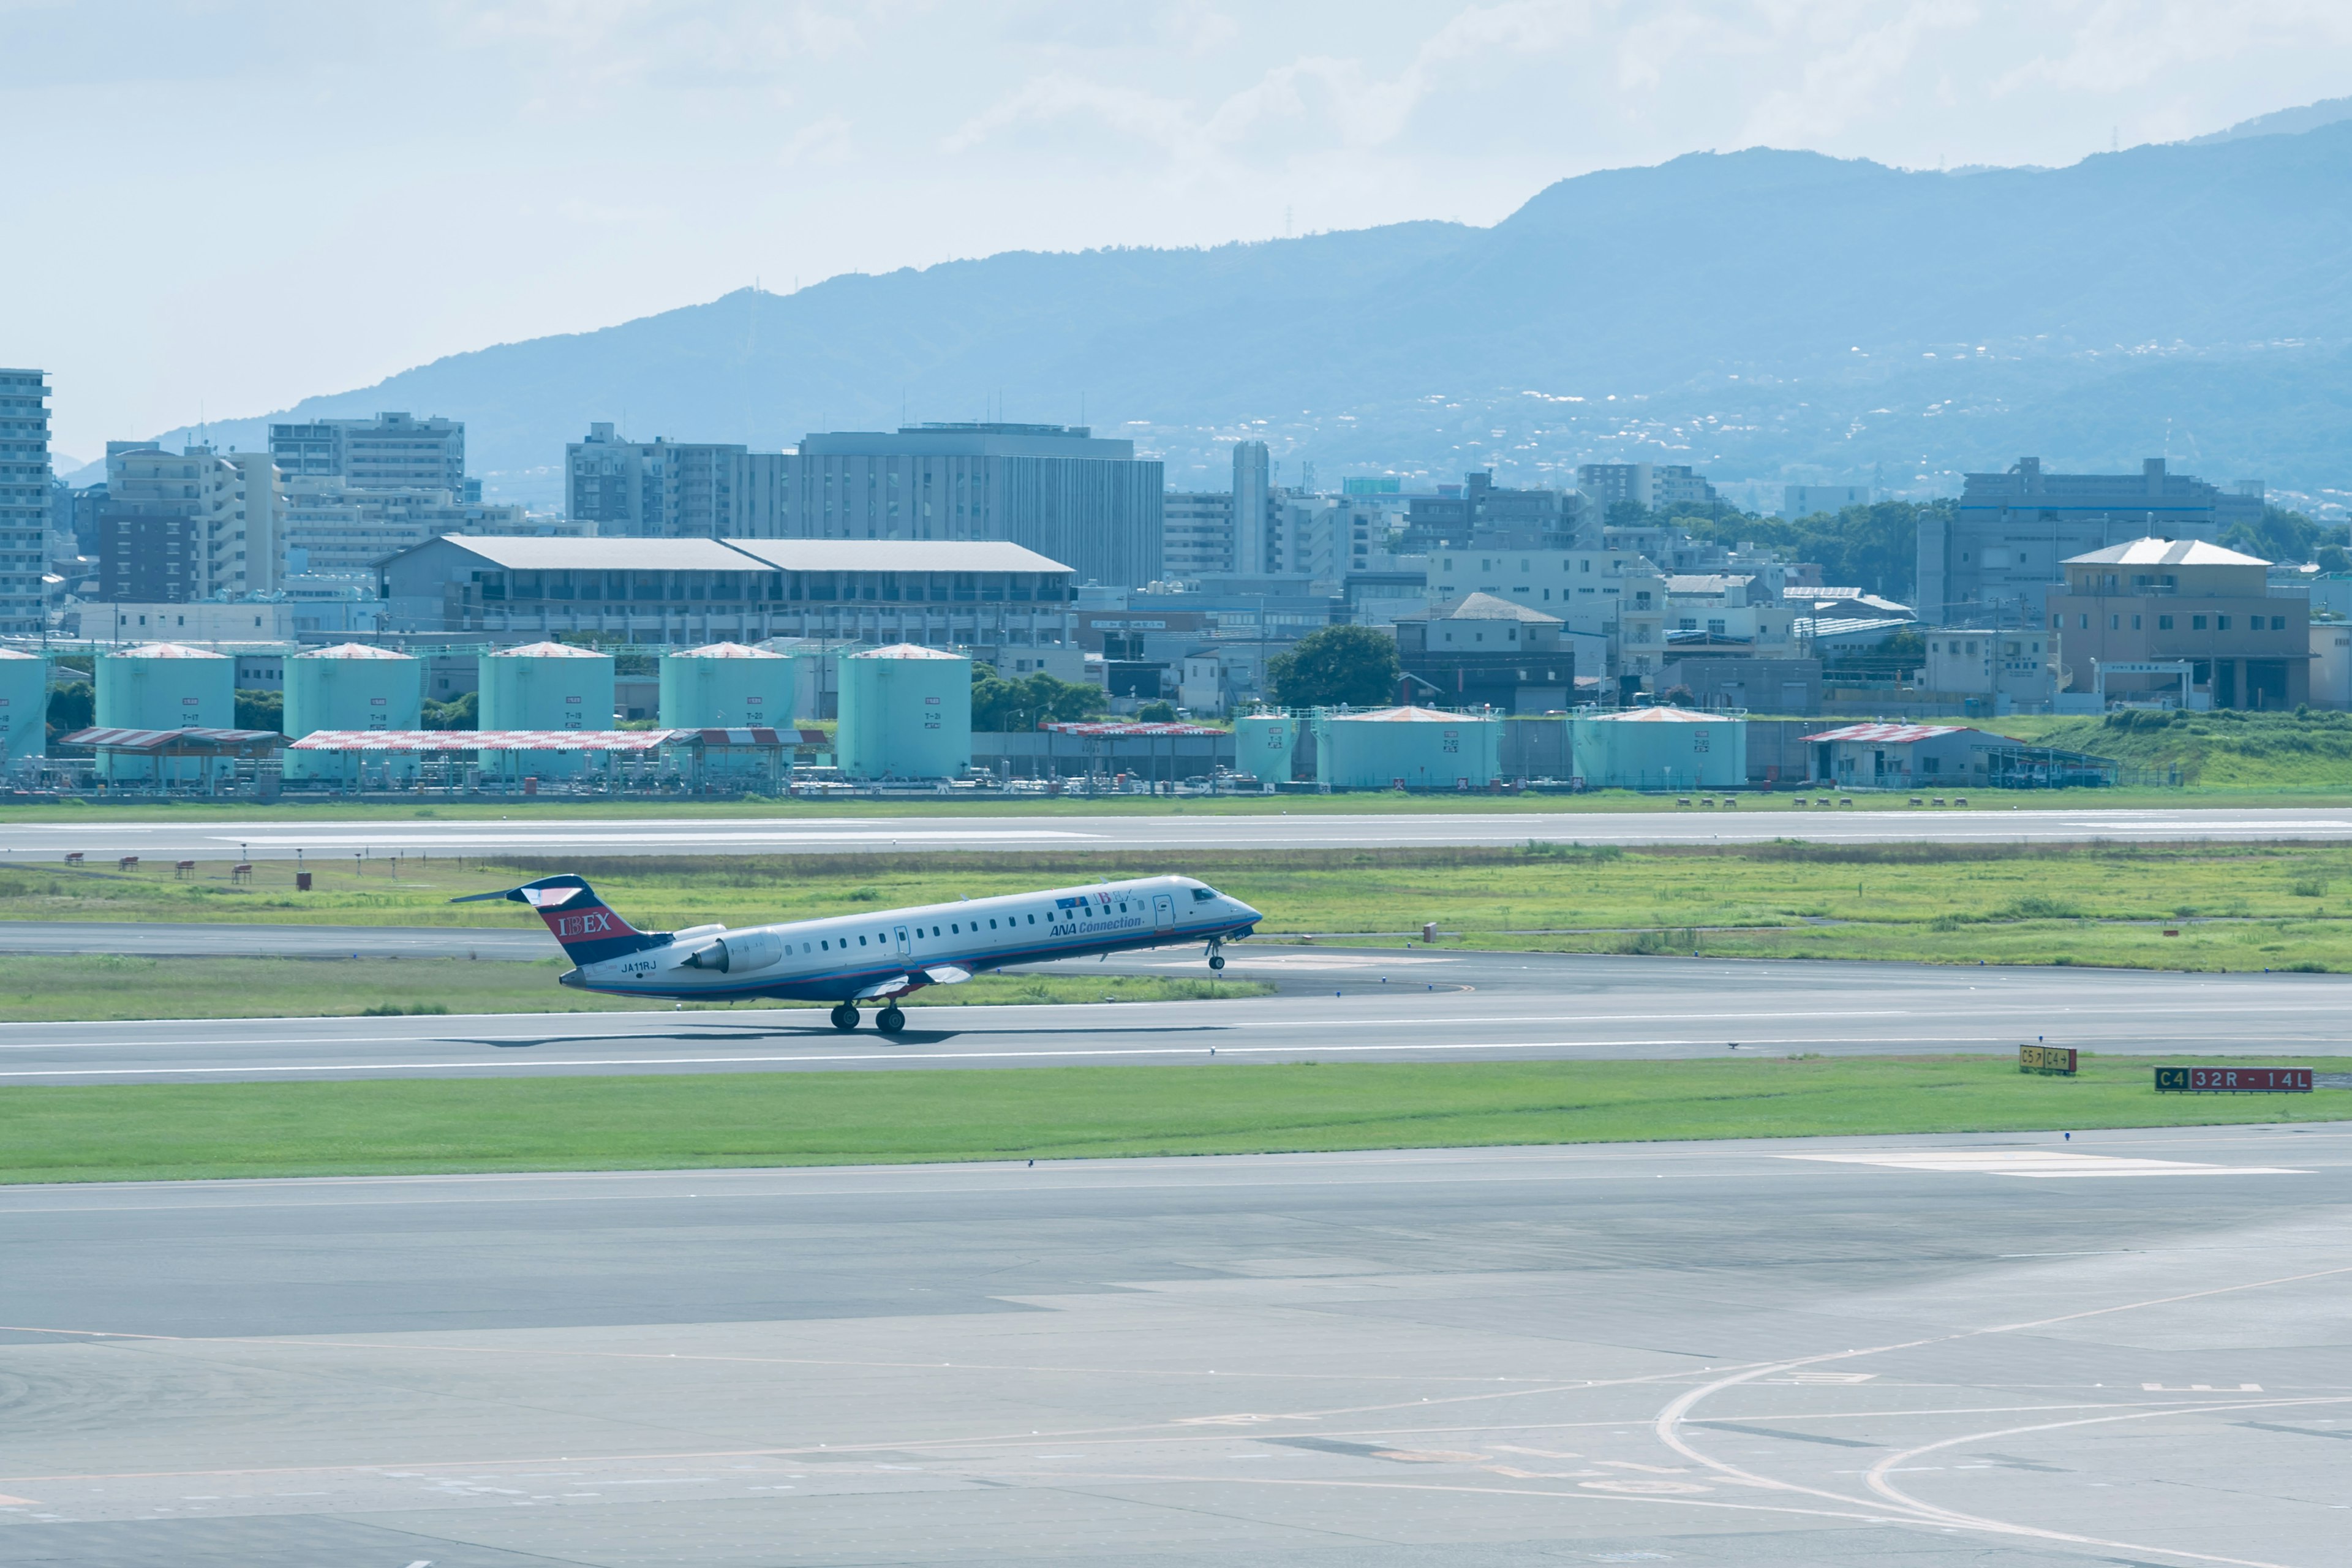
1766 316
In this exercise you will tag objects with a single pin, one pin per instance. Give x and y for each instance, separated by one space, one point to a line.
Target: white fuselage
846 957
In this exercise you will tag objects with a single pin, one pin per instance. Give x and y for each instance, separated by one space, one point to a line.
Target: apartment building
2181 601
192 524
25 503
394 451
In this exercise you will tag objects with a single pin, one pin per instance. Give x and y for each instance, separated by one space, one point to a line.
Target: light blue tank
906 714
166 686
1418 747
352 687
544 686
24 705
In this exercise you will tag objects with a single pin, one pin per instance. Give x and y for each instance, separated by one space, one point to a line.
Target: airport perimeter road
1756 822
1364 1006
1942 1353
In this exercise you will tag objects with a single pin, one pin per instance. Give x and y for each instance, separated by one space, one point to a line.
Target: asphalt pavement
1872 820
1337 1005
1938 1353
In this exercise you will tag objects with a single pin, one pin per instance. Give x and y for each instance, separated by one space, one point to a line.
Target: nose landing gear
1216 954
845 1017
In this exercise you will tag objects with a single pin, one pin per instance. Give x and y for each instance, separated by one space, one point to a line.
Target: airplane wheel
845 1017
1217 960
890 1020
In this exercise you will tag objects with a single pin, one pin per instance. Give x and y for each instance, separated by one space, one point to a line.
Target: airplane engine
739 953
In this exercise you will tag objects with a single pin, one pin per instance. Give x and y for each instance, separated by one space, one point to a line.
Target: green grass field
37 990
138 1132
2235 907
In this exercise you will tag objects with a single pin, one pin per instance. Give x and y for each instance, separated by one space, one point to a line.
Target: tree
1003 706
2284 535
73 706
1162 712
457 713
259 710
1354 666
1875 548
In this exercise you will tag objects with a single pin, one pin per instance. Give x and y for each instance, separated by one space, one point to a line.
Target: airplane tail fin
588 928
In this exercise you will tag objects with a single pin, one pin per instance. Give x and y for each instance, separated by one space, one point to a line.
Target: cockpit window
1203 895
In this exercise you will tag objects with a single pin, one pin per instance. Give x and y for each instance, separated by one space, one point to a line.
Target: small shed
189 755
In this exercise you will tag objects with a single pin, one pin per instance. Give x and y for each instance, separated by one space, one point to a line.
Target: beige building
2164 599
1977 661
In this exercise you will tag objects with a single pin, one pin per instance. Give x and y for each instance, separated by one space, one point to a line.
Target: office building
989 597
2166 601
1809 501
193 524
1478 511
390 452
1252 509
24 498
2005 542
338 531
1646 485
1196 534
670 490
1058 490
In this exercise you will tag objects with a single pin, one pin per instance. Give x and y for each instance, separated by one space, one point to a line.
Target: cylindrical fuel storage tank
24 705
1659 748
906 714
1418 747
544 686
352 687
726 685
1262 746
165 685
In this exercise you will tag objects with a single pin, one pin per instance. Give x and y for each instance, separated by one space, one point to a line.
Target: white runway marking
2039 1163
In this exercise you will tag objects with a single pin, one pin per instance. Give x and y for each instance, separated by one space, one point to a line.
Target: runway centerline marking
2040 1164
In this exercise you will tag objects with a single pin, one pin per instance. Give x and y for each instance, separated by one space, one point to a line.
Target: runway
1988 1352
1760 820
1338 1005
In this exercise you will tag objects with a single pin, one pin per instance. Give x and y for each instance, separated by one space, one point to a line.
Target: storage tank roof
165 650
726 650
1409 716
549 650
1662 716
907 650
355 650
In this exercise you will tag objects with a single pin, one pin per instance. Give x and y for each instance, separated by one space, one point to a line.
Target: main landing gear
890 1020
845 1017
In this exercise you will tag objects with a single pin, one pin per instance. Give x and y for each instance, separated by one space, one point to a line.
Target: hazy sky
229 205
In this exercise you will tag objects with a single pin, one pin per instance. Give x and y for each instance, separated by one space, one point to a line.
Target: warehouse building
984 596
1894 756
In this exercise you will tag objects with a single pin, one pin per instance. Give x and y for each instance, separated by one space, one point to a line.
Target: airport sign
2057 1060
2232 1081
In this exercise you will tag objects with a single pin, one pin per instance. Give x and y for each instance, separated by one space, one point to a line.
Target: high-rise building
1196 534
1648 485
24 498
1477 511
1060 490
2007 541
1252 509
669 490
390 452
195 524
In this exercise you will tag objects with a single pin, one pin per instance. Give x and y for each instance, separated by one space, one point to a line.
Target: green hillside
2307 749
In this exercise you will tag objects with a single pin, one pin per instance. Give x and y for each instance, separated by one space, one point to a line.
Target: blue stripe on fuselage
839 985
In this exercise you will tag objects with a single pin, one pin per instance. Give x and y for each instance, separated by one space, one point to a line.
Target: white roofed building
975 594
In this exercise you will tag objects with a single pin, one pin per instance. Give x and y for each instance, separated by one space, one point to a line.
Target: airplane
895 951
